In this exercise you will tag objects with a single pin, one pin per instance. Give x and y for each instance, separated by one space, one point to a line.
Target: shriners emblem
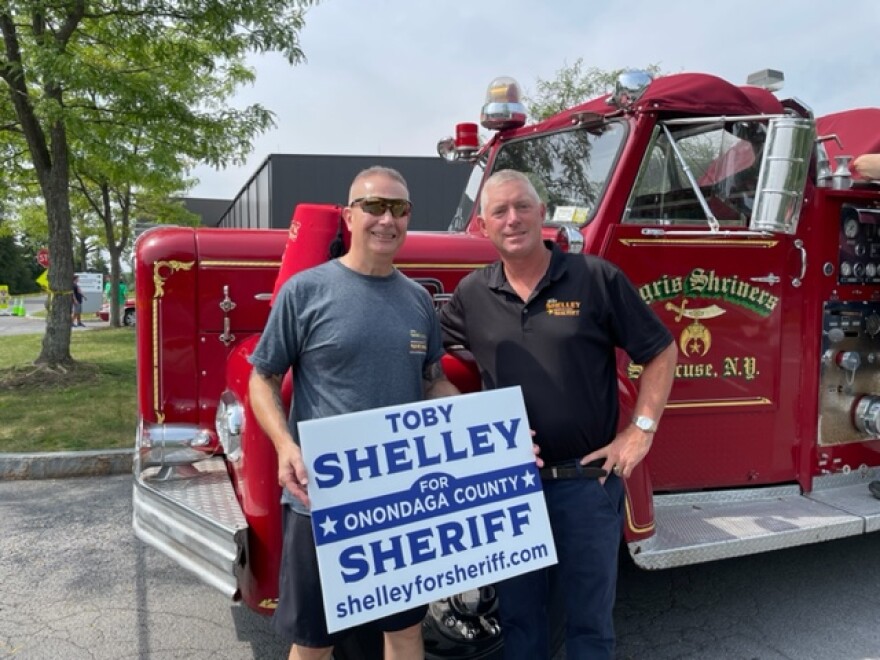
695 339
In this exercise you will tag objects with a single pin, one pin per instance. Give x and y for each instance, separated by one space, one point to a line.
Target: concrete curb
60 465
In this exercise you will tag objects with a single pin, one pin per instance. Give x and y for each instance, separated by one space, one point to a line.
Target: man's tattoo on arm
433 372
274 383
276 398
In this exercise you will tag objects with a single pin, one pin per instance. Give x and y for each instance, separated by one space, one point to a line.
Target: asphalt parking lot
76 583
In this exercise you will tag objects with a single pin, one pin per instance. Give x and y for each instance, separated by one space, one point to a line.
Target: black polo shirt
559 345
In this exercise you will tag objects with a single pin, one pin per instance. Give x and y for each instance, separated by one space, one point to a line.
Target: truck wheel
464 627
128 318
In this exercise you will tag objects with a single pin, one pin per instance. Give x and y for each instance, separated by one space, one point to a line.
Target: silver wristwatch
646 424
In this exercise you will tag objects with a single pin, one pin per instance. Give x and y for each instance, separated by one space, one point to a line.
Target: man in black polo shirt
550 323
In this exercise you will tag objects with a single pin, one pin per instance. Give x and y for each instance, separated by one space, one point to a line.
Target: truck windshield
569 170
468 197
723 159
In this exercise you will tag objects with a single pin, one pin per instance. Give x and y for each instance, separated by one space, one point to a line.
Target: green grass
92 406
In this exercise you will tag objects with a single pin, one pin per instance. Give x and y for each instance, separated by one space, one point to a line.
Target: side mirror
446 149
785 166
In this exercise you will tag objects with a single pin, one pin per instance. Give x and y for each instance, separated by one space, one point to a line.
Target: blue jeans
586 518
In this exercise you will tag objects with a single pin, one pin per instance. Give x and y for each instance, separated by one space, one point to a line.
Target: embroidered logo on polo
563 307
418 342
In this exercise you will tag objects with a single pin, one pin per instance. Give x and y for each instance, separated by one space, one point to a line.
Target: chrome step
705 526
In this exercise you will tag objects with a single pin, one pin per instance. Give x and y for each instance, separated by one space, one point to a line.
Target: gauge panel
859 246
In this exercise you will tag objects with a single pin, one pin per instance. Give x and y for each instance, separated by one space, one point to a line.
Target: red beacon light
503 108
464 146
467 141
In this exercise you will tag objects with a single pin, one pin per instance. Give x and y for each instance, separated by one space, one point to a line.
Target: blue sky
391 77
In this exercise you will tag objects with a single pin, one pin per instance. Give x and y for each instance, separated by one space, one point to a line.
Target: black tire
128 318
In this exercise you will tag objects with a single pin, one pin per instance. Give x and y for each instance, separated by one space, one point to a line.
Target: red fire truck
733 211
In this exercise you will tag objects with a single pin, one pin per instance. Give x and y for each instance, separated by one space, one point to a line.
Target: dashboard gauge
846 269
851 228
871 270
861 249
872 324
859 270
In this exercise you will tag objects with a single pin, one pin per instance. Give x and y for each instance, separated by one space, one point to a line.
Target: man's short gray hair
379 170
506 176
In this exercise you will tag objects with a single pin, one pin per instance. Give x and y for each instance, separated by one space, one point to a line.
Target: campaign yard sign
418 502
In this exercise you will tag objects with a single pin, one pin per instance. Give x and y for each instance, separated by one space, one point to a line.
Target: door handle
799 246
767 279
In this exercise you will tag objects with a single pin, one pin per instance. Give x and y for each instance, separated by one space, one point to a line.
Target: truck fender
461 370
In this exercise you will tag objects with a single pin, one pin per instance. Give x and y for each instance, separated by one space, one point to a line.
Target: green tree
12 269
18 265
73 71
574 84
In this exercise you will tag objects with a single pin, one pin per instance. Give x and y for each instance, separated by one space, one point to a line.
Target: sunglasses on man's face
379 205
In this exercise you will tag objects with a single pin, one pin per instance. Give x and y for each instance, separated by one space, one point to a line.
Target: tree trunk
115 272
55 185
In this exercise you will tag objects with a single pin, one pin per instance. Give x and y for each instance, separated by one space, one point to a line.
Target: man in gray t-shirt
357 335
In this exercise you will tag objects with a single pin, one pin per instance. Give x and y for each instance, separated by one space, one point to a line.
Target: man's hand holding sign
418 502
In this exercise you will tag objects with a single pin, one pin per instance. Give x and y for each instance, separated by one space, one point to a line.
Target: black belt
573 470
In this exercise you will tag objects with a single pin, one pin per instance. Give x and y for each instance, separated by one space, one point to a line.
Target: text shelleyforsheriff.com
425 584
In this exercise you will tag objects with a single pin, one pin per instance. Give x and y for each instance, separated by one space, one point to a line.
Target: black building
210 210
282 181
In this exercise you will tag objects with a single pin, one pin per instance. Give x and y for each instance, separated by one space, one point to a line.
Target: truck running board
193 516
700 527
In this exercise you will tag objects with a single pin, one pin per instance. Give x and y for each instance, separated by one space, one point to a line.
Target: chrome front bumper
191 514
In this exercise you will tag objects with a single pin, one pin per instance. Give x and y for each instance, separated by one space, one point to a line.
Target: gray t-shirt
355 342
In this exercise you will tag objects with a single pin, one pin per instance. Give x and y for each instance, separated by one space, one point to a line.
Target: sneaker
81 325
874 487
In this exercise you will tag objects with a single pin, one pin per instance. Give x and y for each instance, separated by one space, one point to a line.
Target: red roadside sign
43 257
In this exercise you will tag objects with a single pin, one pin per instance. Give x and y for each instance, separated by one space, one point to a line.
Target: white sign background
91 285
423 501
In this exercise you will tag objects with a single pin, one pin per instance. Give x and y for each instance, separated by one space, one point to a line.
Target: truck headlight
171 444
229 421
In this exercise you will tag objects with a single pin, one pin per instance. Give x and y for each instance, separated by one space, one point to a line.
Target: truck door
730 298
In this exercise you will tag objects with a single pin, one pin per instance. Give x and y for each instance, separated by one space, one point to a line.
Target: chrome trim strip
238 263
721 403
687 121
438 266
744 243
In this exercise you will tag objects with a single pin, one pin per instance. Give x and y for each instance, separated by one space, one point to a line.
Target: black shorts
299 618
